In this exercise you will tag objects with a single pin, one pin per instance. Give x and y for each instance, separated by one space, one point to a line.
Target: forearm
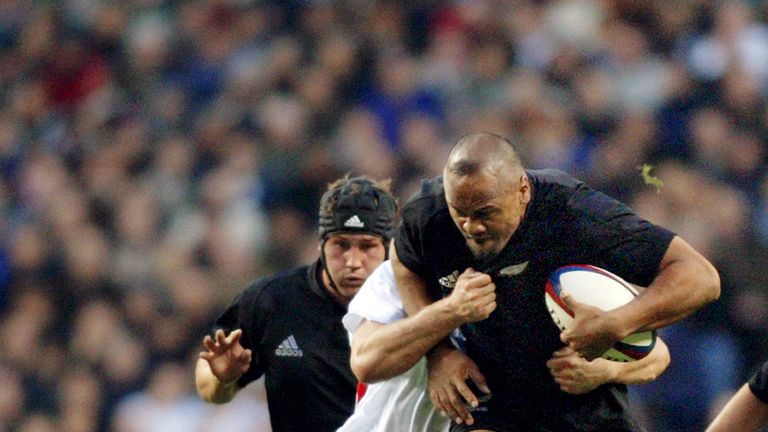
209 388
641 371
686 282
743 413
382 351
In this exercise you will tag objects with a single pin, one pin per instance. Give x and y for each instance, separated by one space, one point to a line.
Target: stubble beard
482 255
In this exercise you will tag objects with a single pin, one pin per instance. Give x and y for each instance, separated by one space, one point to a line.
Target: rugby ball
602 289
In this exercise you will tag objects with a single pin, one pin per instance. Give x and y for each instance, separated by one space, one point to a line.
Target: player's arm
744 412
412 288
449 369
220 366
381 351
576 375
686 281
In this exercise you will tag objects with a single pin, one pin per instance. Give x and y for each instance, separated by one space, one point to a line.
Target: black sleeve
250 312
610 235
409 247
759 383
409 236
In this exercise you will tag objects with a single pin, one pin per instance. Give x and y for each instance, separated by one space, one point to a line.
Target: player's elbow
374 368
366 369
702 280
660 362
710 282
362 369
360 372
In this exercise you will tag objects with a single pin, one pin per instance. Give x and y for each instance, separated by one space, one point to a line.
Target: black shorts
498 415
509 422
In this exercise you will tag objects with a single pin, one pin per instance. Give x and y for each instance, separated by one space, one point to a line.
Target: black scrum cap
358 207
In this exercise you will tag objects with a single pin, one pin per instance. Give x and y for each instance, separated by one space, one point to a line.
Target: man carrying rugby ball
514 227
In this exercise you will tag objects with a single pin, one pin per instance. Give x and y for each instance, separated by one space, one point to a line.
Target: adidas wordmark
289 348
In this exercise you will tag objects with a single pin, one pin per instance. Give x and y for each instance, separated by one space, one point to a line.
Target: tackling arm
576 375
644 370
382 351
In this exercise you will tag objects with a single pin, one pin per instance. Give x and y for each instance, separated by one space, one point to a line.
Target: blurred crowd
156 156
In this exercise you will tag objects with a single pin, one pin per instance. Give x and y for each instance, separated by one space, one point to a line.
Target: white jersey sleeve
400 403
378 300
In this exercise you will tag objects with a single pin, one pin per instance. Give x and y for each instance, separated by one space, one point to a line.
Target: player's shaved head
487 192
483 153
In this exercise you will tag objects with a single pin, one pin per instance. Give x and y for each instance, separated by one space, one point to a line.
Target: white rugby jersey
402 402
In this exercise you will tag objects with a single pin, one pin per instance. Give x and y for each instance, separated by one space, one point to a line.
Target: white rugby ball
602 289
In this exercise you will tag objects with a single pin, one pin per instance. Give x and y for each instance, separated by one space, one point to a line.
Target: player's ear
525 189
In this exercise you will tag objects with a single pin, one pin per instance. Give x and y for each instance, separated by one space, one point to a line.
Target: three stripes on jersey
289 348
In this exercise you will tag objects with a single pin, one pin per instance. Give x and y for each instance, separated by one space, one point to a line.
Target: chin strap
325 267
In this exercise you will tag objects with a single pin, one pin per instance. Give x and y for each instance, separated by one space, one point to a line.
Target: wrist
228 384
449 313
609 368
621 327
439 351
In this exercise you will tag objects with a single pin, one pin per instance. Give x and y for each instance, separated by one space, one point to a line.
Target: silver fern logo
513 270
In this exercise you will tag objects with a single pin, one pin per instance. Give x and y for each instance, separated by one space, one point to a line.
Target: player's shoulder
274 286
553 190
556 187
554 181
427 201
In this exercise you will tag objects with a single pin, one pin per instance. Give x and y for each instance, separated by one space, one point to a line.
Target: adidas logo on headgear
354 222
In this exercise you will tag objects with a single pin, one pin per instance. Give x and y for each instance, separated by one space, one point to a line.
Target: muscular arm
382 351
449 369
644 370
576 375
744 412
686 282
412 288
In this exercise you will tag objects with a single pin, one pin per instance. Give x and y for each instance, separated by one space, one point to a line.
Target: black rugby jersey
293 326
565 223
758 383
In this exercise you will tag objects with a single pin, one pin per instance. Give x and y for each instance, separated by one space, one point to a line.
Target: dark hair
358 205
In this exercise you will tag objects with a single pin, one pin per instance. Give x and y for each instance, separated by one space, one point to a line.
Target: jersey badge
513 270
289 348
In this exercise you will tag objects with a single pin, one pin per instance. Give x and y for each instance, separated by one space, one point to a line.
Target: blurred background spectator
157 155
